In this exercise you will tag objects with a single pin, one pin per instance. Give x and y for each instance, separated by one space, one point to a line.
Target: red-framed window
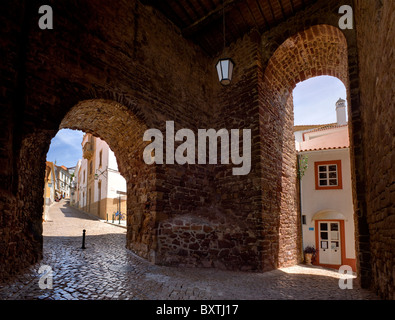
328 175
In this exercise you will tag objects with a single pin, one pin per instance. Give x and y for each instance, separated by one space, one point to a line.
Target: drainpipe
300 199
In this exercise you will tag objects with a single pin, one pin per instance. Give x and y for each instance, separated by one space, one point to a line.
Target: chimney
341 112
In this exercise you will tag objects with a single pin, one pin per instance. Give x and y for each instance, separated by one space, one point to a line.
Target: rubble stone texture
117 70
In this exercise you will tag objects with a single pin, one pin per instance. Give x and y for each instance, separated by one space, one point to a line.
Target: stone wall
318 50
220 220
111 69
12 23
376 224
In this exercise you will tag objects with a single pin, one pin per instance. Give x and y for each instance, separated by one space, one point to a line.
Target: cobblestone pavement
106 270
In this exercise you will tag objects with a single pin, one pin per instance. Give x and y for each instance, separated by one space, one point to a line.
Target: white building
49 187
326 191
74 186
101 188
63 182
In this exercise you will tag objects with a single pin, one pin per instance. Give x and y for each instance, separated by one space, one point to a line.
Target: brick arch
318 50
113 122
123 131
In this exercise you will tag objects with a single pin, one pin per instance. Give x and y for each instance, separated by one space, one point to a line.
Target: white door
329 242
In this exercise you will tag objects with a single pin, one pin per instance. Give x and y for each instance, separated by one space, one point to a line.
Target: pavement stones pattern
107 270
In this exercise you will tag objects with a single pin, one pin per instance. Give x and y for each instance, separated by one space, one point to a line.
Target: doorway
329 242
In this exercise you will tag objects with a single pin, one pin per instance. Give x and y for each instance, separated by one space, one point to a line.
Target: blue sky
315 99
66 148
314 103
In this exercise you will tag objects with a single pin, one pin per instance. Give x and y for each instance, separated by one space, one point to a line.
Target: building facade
49 187
101 188
63 181
73 184
326 192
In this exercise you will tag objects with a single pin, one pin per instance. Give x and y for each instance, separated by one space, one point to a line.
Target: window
90 167
328 175
100 158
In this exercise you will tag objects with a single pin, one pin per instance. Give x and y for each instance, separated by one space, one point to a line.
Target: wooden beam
209 18
292 7
263 15
271 11
252 15
282 9
184 11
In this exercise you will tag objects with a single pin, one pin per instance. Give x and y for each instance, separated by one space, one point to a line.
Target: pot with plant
309 253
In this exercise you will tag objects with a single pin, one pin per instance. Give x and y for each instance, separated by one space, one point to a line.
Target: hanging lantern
225 70
225 65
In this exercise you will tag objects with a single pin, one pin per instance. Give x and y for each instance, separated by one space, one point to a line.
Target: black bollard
83 239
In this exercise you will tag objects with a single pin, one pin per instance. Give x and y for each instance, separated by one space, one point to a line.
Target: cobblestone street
106 270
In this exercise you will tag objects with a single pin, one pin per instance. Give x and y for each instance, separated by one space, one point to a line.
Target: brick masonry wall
221 223
113 70
319 50
264 202
376 42
12 26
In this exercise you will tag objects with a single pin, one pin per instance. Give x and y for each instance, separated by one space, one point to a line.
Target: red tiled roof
329 126
328 148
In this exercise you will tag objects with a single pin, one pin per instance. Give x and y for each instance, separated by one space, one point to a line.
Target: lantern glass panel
219 71
225 69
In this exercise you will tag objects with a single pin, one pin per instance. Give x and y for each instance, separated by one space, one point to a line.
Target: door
329 242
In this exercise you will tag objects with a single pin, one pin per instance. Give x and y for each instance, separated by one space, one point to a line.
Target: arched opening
122 130
117 125
78 164
324 171
318 50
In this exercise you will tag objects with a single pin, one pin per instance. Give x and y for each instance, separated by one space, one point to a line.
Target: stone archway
318 50
123 131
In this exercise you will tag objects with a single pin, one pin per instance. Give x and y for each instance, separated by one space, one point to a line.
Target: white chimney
341 112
